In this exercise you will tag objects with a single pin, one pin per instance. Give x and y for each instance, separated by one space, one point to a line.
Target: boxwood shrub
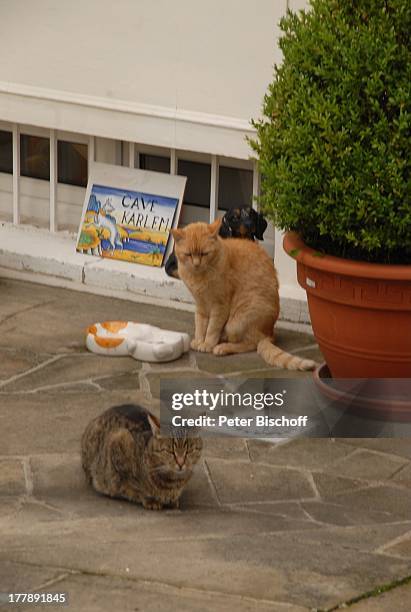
333 142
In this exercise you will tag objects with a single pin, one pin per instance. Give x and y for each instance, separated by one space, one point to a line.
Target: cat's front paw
194 344
152 504
205 347
221 349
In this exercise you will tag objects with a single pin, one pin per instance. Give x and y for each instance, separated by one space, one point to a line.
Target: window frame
62 193
37 132
86 144
231 166
131 150
8 131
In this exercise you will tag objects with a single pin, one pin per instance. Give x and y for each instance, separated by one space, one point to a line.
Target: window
35 157
72 163
198 188
235 188
158 163
6 152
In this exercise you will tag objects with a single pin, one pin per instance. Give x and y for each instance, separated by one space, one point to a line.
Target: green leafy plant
334 141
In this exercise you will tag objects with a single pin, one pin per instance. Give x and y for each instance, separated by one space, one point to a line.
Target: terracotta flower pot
360 312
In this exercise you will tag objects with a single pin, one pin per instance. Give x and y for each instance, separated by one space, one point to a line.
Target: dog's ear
227 216
260 226
171 266
225 229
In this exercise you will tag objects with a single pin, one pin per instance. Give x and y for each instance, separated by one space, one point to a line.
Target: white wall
212 56
186 74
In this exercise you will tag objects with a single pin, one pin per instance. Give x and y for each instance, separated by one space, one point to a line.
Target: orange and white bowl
141 341
109 337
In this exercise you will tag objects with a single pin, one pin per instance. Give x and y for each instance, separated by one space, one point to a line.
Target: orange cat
235 287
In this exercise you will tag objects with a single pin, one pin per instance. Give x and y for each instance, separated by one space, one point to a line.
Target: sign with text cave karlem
128 213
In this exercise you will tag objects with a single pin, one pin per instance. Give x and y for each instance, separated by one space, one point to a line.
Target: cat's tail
275 356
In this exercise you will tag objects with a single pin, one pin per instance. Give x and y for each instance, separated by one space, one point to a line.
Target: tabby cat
235 287
124 455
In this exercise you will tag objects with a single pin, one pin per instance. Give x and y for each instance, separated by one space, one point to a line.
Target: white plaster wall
212 56
297 5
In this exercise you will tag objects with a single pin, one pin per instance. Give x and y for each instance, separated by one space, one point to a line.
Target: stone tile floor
303 525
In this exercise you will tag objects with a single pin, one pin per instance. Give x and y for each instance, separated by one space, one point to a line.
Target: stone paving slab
298 525
401 547
393 500
229 363
69 369
153 378
395 600
403 476
368 465
242 482
18 296
15 577
279 509
191 524
9 505
54 422
331 486
396 446
15 362
59 317
12 480
339 515
106 593
264 372
284 566
306 453
226 448
362 538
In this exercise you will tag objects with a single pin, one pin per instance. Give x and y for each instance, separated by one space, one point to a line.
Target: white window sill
38 255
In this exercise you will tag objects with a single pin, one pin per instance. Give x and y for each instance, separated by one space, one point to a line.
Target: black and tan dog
237 223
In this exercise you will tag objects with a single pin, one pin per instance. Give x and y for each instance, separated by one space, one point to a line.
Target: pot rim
385 407
338 265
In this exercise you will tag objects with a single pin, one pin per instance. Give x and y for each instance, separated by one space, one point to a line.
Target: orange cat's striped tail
275 356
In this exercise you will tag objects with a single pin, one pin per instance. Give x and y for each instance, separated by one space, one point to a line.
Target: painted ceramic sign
128 224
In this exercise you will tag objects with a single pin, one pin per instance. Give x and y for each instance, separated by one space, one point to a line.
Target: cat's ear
214 228
154 424
177 234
